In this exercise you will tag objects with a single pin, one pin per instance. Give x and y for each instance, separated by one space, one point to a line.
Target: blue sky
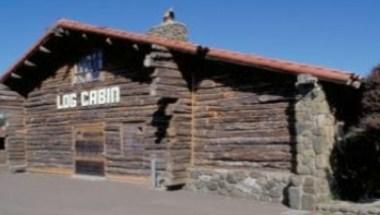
342 34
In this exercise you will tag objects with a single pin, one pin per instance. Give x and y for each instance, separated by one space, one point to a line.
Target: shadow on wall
161 118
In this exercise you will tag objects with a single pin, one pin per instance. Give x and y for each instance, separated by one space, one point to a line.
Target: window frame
89 67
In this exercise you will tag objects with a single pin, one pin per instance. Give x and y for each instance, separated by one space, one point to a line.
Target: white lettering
84 98
93 97
102 96
87 98
108 98
59 105
115 91
67 101
73 100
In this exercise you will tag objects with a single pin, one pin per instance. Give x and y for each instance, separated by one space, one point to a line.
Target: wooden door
89 149
133 147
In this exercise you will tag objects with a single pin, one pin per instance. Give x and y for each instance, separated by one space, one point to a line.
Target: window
88 68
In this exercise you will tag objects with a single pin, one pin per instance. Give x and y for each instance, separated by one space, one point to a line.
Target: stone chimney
169 28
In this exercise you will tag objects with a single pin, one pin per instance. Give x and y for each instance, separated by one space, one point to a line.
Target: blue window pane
89 67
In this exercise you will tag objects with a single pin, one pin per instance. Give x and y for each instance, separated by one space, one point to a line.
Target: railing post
153 172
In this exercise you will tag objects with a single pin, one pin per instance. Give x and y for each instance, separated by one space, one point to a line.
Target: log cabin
157 109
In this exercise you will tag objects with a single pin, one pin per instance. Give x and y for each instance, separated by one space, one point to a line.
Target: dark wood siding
172 85
243 118
11 105
50 130
177 110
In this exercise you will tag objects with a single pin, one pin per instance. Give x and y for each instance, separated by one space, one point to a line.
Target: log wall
172 85
11 104
175 109
243 118
128 130
152 120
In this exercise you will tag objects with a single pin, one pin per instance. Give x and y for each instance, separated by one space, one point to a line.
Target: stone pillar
315 135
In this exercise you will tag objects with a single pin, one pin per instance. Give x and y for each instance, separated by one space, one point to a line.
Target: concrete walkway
26 194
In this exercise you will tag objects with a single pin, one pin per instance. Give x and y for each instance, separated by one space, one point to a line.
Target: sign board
108 95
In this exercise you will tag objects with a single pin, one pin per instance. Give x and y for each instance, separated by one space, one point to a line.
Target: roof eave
330 75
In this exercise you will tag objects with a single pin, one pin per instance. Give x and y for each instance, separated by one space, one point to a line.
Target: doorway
89 149
3 152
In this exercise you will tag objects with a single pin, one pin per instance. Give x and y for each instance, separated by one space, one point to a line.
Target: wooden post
153 172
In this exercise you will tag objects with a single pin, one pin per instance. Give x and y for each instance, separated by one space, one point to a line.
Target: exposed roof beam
61 30
67 32
109 41
136 47
58 32
29 63
44 49
14 75
356 83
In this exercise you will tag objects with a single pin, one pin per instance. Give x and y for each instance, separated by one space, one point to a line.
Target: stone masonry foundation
252 184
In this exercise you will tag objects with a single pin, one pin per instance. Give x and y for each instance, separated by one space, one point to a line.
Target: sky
341 34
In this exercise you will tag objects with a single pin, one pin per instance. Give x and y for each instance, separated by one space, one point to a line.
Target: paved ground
26 194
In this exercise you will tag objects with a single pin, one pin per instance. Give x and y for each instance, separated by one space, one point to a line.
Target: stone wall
315 128
261 185
349 208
